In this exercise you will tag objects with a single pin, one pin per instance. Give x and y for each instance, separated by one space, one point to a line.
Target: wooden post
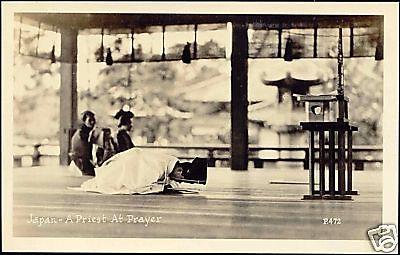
341 118
312 163
321 163
332 163
340 84
68 90
306 164
239 103
349 161
341 162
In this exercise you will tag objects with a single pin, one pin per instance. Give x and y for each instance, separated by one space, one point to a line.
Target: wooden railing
220 153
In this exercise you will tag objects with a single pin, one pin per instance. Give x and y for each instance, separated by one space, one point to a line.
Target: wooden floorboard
233 204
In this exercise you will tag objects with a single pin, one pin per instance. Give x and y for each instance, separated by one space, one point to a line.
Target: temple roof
301 71
289 82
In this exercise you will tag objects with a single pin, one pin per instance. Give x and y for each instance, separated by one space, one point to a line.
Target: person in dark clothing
124 141
81 145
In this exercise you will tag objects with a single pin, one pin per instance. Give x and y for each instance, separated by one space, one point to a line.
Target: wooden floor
233 205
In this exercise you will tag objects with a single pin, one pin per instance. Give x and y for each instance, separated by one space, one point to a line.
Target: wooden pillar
68 90
311 164
349 161
331 163
341 162
321 162
239 102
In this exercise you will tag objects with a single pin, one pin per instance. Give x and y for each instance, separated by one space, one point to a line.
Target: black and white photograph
257 127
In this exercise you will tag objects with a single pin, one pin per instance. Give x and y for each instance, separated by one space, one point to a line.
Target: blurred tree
365 91
145 88
210 49
263 43
36 101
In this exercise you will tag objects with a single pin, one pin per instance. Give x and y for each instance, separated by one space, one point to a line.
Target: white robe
133 171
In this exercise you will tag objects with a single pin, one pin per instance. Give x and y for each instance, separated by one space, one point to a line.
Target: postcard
257 127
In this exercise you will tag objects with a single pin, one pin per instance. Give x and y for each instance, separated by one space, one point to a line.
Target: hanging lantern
379 52
53 48
288 50
100 51
379 49
100 54
53 55
186 58
379 45
109 59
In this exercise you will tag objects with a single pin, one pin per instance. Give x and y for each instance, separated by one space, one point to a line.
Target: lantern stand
322 111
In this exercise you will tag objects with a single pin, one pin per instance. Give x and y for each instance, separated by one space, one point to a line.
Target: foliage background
162 114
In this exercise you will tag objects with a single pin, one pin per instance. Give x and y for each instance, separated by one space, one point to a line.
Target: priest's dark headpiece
124 117
195 171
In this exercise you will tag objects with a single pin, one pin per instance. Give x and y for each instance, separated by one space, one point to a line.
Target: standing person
82 146
124 141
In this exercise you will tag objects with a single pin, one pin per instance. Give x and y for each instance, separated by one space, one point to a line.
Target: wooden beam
68 90
239 102
142 20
